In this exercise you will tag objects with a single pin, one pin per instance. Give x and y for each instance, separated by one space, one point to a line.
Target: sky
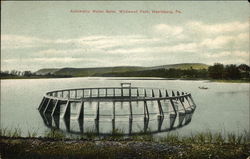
57 34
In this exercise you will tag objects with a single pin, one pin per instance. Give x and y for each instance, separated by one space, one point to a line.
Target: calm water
224 107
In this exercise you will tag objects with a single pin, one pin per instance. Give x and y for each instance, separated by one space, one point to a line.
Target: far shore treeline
217 71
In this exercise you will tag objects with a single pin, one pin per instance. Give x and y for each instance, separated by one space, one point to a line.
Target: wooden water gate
180 102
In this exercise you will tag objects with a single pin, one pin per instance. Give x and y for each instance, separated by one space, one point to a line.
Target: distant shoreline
136 78
230 73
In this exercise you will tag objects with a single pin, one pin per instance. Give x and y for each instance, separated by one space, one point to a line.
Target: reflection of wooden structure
180 102
160 125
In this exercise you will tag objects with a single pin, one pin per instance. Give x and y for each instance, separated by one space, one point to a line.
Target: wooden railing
53 100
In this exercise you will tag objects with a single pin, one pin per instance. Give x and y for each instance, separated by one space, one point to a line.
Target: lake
223 107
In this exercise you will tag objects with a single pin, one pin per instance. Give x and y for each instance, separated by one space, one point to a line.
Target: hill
100 71
46 71
88 71
183 66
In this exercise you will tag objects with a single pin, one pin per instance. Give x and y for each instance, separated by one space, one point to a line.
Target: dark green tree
244 67
244 71
27 73
216 71
232 72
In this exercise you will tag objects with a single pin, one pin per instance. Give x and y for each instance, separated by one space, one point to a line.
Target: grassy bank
56 145
47 148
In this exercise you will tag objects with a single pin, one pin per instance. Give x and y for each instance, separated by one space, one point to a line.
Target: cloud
235 26
98 42
168 29
18 41
243 36
106 42
217 42
155 50
190 42
243 54
60 52
218 55
229 57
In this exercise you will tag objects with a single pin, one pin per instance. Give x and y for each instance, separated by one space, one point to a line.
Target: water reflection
127 127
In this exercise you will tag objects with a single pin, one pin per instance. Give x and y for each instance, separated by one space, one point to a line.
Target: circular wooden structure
179 102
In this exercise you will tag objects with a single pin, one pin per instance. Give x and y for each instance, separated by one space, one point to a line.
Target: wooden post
145 93
44 111
81 113
145 103
172 103
172 120
48 120
138 94
173 94
98 92
97 126
160 95
130 110
188 101
81 122
182 98
106 92
178 94
57 121
160 121
161 114
62 94
113 126
122 91
183 106
130 126
153 94
69 94
67 124
41 104
113 117
67 112
83 93
76 93
97 111
114 92
90 92
146 114
56 109
167 93
181 118
44 104
129 91
146 121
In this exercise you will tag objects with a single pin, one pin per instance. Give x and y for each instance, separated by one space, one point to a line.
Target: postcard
125 79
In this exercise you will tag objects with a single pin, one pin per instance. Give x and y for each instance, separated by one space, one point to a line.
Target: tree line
217 71
220 71
28 74
16 73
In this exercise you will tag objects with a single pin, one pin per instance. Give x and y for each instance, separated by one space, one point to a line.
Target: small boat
203 87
